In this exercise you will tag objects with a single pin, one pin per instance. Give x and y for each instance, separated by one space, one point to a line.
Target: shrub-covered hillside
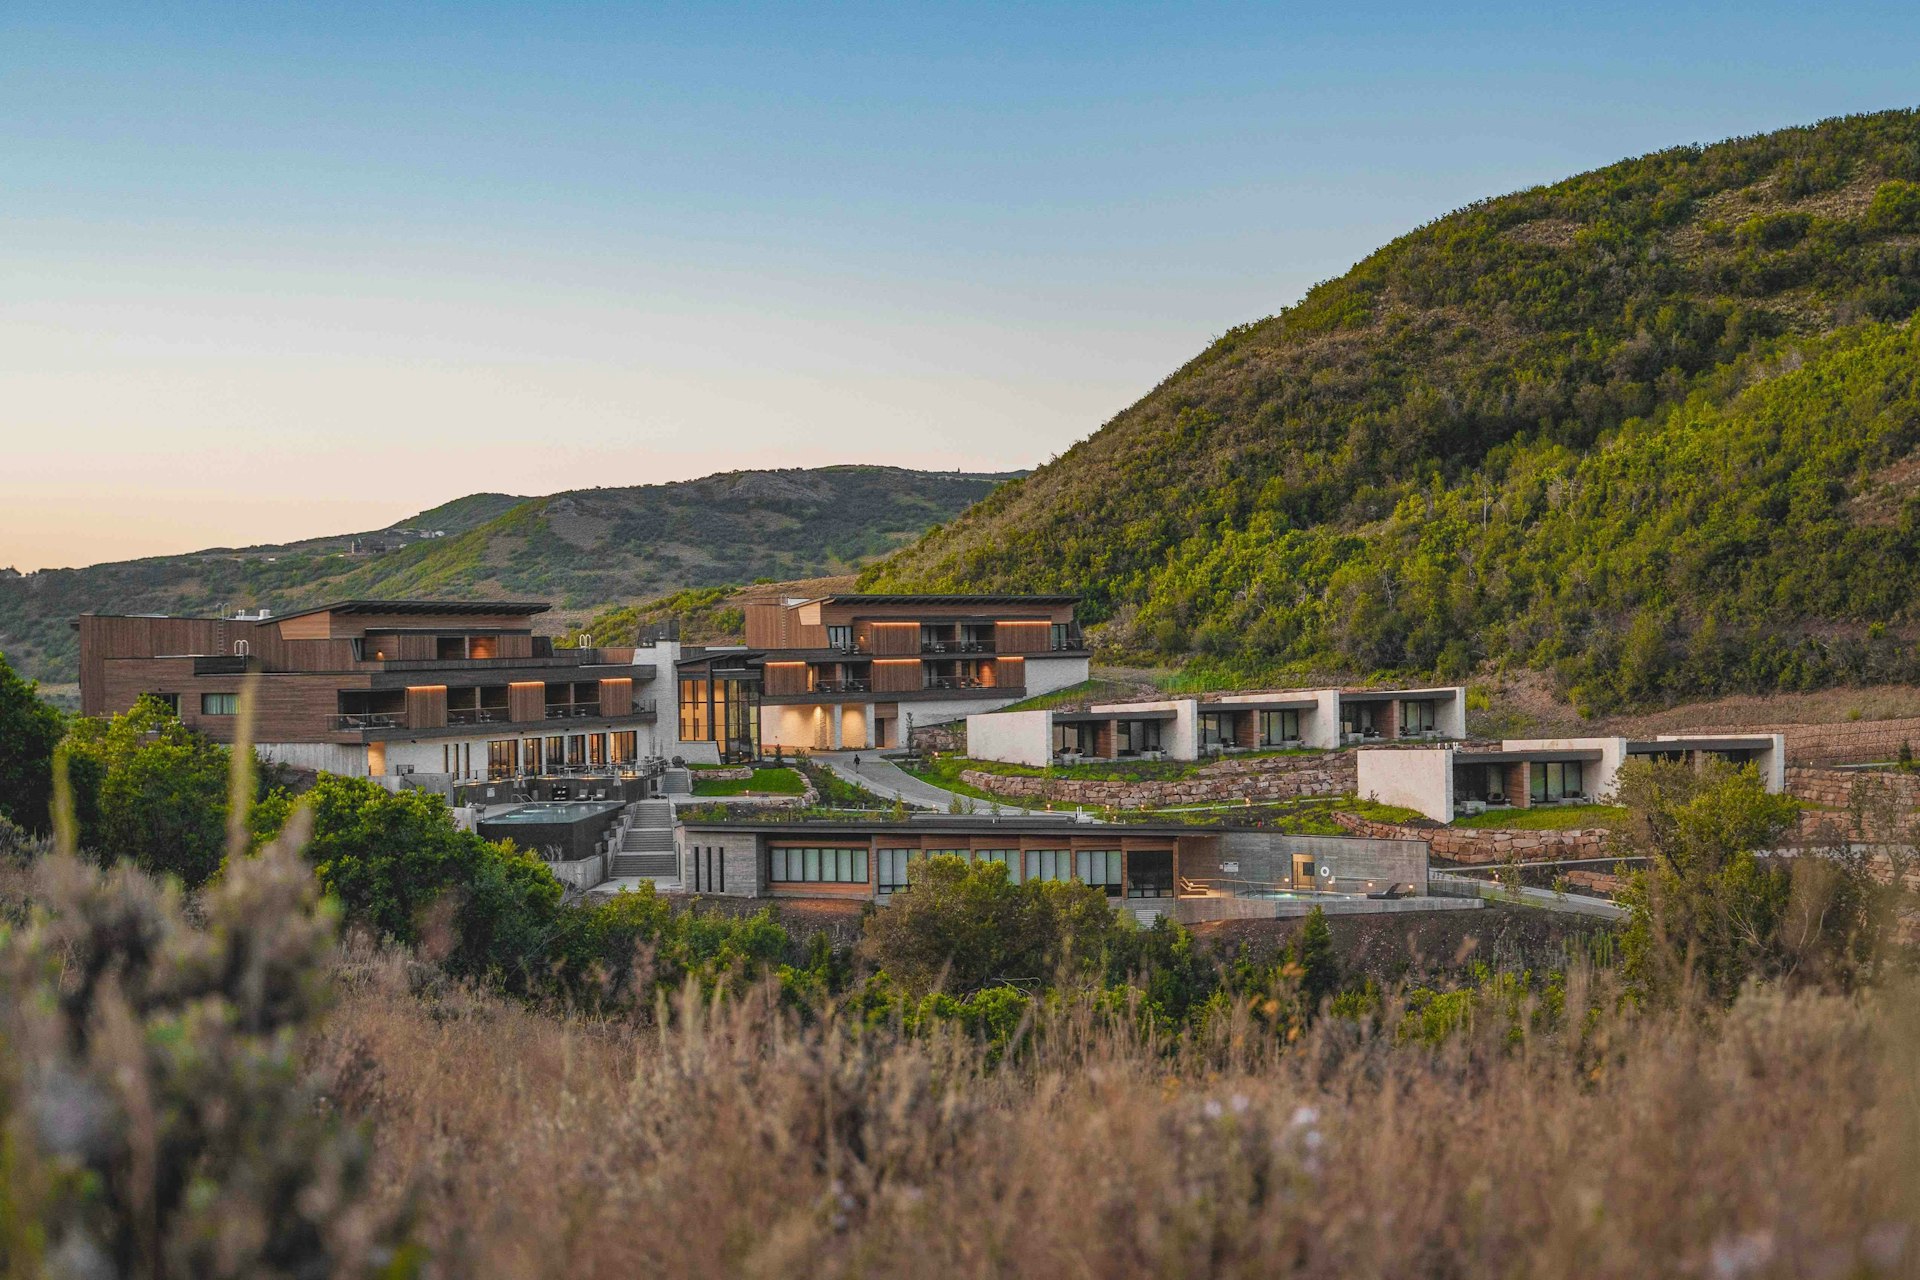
1649 427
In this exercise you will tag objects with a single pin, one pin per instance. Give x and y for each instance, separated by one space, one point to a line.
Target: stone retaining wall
1833 788
1482 846
1260 778
949 739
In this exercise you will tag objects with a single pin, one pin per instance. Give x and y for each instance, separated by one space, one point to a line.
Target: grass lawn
1547 818
945 774
778 782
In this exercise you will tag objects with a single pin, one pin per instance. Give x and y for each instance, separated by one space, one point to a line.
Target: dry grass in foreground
1780 1138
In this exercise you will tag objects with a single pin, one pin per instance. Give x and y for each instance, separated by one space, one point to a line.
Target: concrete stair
646 847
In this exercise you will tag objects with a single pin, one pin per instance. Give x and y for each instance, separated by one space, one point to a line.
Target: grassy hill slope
1490 441
583 549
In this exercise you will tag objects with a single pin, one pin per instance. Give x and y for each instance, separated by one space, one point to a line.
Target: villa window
840 637
1049 864
1359 720
219 704
503 758
1277 728
626 747
890 868
820 866
1060 636
1099 868
1416 718
694 725
1558 780
1216 730
170 700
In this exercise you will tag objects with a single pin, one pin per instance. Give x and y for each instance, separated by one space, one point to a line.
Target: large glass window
1071 737
1279 728
1417 717
810 865
890 868
1099 868
1136 737
219 704
503 758
1358 719
1216 730
694 725
1059 636
840 637
1049 864
626 747
1558 780
530 755
576 749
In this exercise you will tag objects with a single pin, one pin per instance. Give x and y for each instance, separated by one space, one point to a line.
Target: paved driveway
885 778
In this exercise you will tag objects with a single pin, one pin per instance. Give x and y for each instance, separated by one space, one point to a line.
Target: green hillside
1649 427
583 550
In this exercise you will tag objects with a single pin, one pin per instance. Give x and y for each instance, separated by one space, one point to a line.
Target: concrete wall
1046 673
1358 863
321 757
1200 910
1418 778
1012 737
740 853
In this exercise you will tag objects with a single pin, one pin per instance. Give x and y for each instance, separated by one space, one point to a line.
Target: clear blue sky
278 270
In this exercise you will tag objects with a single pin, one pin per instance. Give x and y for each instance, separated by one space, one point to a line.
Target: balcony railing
478 715
841 686
955 682
369 720
572 710
957 646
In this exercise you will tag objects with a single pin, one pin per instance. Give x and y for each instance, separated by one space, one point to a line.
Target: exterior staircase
646 846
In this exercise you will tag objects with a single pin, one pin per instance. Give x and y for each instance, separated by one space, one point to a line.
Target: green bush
29 732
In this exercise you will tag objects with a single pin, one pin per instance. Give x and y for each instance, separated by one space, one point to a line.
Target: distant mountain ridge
1652 428
583 549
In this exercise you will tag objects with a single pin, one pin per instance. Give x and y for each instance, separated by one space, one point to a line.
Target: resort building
1448 782
860 671
1195 728
440 691
1149 868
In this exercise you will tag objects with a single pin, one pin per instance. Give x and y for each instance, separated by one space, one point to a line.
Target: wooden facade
352 672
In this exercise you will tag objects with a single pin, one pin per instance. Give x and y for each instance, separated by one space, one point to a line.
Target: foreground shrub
157 1122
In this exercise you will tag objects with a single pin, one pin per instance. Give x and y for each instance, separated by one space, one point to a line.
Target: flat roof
1094 717
948 824
858 598
1262 704
415 606
1711 742
1545 755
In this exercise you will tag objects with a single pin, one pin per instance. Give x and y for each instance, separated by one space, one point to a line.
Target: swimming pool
554 811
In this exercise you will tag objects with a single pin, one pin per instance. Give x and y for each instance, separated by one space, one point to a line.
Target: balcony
572 710
944 683
958 646
841 686
478 715
359 720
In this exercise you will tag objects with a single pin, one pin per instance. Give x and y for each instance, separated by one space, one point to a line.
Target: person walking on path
856 762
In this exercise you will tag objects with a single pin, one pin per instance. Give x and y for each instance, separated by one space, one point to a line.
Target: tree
972 926
151 790
1708 905
29 732
392 857
1319 966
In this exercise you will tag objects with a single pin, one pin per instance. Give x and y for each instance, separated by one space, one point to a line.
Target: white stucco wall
1013 737
1413 777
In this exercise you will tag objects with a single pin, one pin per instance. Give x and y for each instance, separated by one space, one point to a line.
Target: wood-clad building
852 671
457 688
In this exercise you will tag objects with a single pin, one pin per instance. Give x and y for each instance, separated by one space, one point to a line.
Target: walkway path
885 778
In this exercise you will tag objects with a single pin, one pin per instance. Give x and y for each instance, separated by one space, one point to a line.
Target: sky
275 271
